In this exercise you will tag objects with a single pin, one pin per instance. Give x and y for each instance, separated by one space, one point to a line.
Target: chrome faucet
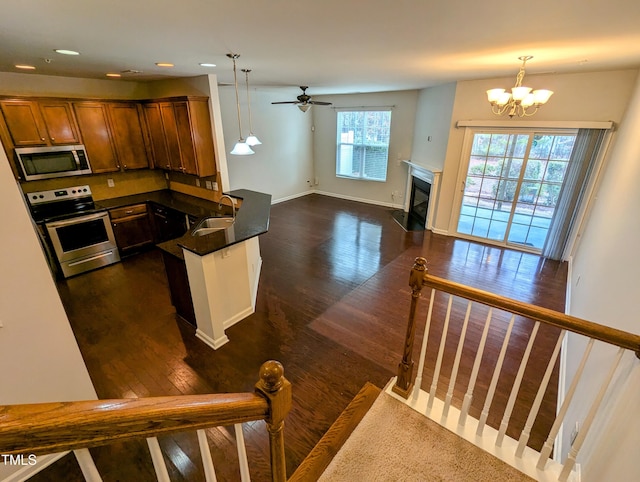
233 204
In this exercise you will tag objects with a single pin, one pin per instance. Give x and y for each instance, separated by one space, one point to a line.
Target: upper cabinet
93 121
172 133
40 123
180 135
128 136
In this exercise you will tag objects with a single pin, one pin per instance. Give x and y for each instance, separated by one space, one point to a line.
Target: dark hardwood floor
332 306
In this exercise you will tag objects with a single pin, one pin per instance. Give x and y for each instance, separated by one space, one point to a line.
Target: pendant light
251 140
241 148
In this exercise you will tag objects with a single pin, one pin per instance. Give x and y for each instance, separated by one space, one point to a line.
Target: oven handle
67 222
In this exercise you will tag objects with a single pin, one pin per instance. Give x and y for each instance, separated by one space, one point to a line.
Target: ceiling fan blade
286 102
317 102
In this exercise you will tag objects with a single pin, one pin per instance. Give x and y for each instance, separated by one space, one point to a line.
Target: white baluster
423 349
548 445
88 467
474 371
158 461
494 379
456 363
205 453
443 338
526 431
242 454
586 425
516 386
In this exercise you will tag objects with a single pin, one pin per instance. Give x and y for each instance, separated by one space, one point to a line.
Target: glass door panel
512 186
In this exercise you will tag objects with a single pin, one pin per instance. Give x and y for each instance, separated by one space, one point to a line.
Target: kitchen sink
211 225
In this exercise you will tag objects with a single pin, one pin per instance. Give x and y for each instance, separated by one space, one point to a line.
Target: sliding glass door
512 185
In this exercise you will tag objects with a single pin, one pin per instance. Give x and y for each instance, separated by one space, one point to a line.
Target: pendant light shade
241 148
252 140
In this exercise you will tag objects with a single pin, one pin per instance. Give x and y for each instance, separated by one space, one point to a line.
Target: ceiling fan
303 101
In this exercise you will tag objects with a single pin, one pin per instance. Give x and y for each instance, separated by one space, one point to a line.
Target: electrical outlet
208 185
110 183
197 182
214 186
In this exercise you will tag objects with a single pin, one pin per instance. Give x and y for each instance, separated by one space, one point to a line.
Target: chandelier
521 101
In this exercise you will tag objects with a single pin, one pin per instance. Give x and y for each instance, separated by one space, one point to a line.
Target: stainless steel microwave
54 161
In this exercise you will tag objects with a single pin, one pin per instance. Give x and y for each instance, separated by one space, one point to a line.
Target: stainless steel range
80 235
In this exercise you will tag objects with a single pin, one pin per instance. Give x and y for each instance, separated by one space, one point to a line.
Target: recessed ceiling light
67 52
131 71
25 67
164 64
207 65
112 74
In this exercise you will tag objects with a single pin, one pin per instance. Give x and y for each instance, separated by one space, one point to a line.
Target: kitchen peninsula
222 268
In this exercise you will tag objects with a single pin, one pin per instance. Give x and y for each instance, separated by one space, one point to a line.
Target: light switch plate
110 183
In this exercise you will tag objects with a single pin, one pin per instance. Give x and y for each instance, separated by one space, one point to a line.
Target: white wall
595 96
605 289
432 125
39 356
283 163
403 116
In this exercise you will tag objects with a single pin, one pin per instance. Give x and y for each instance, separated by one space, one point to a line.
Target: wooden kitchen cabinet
128 136
93 121
131 227
40 122
180 133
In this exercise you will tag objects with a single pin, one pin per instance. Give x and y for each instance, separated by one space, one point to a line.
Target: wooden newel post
277 390
404 383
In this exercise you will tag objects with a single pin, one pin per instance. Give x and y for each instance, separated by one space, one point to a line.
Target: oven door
83 242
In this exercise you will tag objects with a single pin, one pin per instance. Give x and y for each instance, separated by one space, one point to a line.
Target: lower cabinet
176 270
169 223
132 228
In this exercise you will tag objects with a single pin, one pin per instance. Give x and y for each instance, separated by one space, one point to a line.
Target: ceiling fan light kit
241 148
304 101
521 101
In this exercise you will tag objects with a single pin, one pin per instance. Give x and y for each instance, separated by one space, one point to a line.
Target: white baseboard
360 200
443 232
293 196
215 344
339 196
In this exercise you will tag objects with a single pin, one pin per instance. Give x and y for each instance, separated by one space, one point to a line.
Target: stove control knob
41 196
34 197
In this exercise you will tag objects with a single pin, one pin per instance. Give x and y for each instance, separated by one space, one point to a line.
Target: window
363 144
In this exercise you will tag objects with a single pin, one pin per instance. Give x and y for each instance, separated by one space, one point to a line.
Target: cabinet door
127 135
153 117
96 134
185 136
24 122
60 123
171 135
202 136
131 227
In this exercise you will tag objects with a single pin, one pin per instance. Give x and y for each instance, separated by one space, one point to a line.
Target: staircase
463 399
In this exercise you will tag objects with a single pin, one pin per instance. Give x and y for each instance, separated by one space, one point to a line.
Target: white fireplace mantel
428 174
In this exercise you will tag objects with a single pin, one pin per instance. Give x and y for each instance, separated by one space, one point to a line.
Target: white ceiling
334 46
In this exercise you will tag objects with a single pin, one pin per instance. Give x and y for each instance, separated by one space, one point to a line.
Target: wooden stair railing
62 426
405 385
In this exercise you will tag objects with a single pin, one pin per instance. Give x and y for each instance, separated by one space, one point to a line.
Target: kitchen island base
224 287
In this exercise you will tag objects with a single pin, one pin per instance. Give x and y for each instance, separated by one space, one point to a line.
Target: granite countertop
252 219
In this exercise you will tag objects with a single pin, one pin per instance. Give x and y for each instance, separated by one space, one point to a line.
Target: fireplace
421 195
419 204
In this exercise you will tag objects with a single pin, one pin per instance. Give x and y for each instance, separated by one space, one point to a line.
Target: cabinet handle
53 139
124 166
42 138
128 212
